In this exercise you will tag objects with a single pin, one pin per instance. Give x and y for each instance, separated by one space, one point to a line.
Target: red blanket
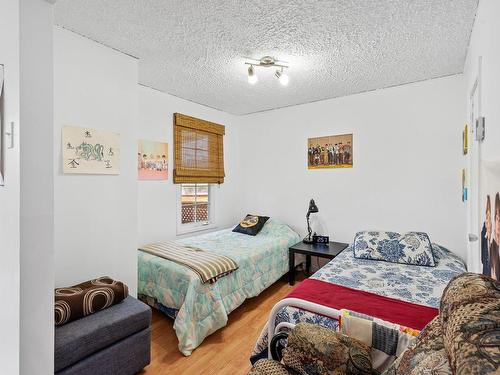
385 308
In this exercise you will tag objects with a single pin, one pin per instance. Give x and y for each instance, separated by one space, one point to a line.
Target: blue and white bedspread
201 309
416 284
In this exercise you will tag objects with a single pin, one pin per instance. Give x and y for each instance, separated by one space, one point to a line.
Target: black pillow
251 224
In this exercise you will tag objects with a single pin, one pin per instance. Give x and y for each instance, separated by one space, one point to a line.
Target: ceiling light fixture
283 77
252 77
268 62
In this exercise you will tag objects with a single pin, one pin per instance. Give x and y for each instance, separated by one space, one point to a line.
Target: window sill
187 229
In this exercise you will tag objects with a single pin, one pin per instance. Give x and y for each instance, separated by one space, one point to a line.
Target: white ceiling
196 49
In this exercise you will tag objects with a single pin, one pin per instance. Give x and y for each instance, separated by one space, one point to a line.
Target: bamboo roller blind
198 150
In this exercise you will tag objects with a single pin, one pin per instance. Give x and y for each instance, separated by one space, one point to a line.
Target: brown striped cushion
87 298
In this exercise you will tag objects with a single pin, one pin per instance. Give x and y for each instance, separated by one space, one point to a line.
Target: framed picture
334 151
464 185
152 160
489 218
465 140
90 151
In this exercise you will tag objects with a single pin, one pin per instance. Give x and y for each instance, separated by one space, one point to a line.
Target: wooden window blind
198 151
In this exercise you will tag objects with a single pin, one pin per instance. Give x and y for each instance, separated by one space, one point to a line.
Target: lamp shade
312 207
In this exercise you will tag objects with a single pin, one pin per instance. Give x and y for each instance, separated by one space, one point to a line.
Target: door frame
473 159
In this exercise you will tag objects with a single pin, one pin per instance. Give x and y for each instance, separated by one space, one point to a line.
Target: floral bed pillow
408 248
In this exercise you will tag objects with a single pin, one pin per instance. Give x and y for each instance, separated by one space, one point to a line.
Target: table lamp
312 209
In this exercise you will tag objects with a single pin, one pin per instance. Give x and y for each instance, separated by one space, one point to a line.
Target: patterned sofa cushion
470 319
465 338
269 367
425 356
317 350
83 299
408 248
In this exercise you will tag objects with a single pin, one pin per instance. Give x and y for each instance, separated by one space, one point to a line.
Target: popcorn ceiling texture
196 49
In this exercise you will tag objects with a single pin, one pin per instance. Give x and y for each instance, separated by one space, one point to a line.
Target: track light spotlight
282 76
252 77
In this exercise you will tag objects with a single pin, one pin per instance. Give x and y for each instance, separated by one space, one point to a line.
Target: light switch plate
480 128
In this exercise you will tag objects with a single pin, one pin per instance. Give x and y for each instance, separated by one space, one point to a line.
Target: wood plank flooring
225 351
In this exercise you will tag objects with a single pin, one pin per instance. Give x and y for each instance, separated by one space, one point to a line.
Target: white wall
9 194
100 220
95 216
157 200
37 188
484 43
407 160
26 214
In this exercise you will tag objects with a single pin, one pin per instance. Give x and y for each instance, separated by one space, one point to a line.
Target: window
198 151
196 208
198 163
194 201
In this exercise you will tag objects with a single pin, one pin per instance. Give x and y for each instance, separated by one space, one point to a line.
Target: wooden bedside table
329 251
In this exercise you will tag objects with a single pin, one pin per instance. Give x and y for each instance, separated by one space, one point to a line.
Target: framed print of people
334 151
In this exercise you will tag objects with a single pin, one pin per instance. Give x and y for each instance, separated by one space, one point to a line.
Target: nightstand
329 251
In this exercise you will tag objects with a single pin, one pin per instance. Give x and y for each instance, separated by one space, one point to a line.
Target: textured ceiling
196 49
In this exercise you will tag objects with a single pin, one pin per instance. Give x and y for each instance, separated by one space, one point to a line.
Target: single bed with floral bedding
421 285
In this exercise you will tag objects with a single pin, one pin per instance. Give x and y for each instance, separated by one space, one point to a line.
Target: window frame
197 226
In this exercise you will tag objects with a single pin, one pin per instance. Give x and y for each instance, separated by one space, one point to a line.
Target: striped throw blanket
208 266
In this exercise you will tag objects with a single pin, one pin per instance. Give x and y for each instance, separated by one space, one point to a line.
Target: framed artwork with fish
90 151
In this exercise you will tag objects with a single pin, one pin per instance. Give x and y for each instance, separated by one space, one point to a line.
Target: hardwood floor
226 351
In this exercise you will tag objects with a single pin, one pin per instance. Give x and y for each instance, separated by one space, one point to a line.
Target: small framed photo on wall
465 140
333 151
152 160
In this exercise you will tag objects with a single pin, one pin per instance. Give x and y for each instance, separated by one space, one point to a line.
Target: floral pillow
408 248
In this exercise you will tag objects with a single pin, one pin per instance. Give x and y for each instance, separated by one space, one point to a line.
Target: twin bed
420 287
199 309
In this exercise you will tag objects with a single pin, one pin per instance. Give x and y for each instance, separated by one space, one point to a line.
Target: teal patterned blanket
201 309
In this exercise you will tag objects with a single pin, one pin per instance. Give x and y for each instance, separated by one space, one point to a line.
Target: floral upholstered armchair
464 339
